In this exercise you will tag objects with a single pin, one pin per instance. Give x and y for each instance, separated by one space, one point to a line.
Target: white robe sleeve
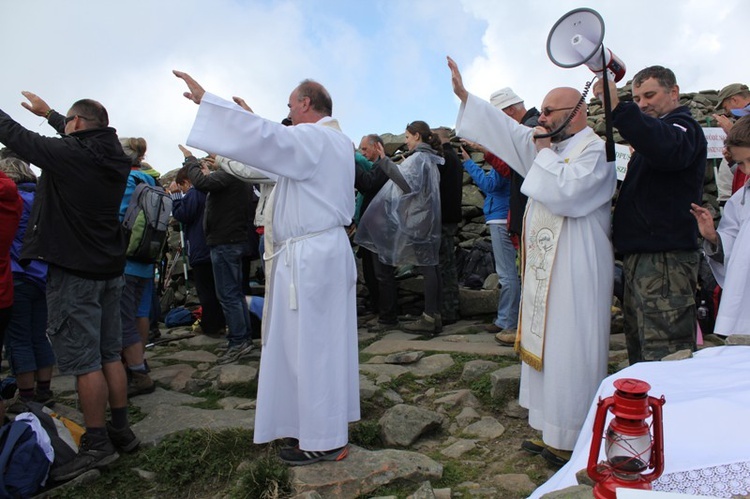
224 128
728 230
480 122
573 189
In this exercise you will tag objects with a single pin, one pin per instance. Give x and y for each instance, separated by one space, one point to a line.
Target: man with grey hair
652 225
308 387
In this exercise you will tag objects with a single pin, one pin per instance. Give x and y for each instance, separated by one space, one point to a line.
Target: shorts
83 321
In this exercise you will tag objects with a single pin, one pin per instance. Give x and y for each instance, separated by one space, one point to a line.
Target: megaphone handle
609 145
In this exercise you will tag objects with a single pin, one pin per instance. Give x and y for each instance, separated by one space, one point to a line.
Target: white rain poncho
404 228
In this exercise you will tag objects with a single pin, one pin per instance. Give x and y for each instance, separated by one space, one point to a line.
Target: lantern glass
628 453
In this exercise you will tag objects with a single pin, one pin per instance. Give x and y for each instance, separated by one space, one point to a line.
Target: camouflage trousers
659 303
450 305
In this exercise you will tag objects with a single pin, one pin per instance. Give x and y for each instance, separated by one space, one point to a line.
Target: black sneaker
95 451
123 439
556 457
534 446
295 456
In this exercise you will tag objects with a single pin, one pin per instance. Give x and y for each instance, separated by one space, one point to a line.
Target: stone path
184 367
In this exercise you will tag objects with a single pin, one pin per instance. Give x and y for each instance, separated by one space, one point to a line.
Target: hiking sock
43 386
26 393
119 417
97 430
138 368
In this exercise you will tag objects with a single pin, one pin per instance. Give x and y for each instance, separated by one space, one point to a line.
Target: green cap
730 91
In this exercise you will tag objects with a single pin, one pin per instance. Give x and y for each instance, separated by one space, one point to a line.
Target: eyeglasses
547 110
68 119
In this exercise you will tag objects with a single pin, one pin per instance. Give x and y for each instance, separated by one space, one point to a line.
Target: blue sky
383 61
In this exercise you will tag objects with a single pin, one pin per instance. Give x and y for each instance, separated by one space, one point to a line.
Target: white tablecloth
706 414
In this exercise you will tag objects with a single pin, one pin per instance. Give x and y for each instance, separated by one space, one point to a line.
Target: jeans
212 320
26 342
130 300
227 265
510 284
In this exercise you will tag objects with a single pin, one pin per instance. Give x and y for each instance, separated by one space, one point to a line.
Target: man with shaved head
567 260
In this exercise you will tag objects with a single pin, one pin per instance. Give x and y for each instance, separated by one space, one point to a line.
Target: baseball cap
504 97
730 91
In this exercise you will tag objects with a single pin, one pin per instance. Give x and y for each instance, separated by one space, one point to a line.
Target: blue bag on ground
178 316
23 463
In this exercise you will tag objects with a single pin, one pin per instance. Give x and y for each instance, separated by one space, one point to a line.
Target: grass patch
366 434
199 457
455 473
482 389
194 463
265 478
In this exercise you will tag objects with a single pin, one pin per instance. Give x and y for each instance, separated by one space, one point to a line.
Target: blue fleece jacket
495 187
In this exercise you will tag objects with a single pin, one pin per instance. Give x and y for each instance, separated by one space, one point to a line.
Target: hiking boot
123 438
492 328
295 456
507 337
18 405
140 384
534 446
45 397
425 324
556 457
95 451
236 352
381 327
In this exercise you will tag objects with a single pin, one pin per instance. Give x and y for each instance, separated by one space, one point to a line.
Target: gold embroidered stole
541 233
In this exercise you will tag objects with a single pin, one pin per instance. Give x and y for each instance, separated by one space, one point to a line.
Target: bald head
557 106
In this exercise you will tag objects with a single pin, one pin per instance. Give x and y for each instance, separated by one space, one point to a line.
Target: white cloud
383 61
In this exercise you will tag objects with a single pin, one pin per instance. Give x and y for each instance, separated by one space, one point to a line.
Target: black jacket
228 213
74 222
665 174
451 186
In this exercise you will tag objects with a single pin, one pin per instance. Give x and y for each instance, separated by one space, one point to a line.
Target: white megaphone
576 38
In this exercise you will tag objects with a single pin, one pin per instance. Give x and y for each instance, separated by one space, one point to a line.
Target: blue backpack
23 464
178 316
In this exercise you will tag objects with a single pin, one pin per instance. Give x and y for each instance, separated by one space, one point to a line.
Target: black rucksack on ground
474 265
146 220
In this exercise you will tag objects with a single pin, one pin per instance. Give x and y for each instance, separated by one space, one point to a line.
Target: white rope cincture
287 246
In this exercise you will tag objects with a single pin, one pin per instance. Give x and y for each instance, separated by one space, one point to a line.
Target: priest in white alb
567 260
309 372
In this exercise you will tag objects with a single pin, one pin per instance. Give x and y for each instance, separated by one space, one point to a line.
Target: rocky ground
440 417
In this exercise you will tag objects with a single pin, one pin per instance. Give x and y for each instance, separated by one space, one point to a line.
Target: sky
383 61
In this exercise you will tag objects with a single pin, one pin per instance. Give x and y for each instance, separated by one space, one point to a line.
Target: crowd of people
73 296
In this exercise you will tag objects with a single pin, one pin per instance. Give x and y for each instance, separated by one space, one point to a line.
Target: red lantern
629 447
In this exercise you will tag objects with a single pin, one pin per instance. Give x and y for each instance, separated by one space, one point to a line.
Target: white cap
504 97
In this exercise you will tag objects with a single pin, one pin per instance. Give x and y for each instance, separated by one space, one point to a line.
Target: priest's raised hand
196 91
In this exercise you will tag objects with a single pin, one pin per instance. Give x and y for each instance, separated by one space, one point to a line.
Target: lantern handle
596 438
657 451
